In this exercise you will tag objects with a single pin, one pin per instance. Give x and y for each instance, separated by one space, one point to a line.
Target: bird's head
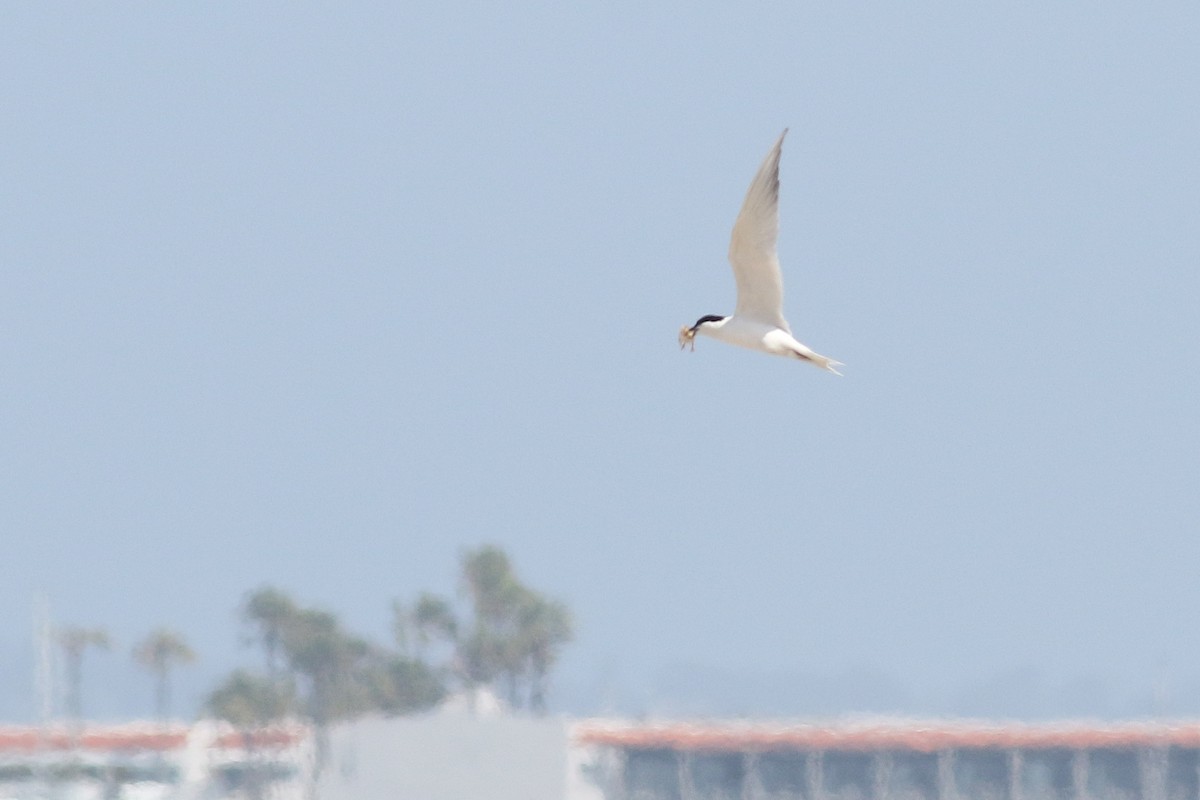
687 335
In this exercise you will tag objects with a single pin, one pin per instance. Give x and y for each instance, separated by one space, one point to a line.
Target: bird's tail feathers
825 362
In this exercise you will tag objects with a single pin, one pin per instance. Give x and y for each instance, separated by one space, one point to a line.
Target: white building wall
447 756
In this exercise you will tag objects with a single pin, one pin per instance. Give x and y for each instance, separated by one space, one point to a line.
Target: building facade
462 756
206 760
889 761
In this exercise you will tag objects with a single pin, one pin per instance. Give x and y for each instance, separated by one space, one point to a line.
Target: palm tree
74 641
270 611
491 584
545 626
327 658
160 652
433 618
516 633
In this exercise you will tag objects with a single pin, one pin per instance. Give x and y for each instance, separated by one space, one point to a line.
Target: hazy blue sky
322 295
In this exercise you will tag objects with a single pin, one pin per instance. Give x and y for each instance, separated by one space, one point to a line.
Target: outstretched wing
752 248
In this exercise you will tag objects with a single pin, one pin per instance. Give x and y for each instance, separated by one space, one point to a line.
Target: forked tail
824 362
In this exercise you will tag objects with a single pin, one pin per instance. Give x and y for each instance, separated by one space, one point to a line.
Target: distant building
460 754
890 760
151 761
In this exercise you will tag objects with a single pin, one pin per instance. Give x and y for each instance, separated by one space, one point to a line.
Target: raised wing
752 247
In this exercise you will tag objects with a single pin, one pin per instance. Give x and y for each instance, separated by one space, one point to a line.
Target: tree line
504 635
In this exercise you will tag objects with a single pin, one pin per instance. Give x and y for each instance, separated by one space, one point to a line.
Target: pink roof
138 736
923 737
114 737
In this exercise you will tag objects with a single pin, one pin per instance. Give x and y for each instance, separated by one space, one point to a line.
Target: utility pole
43 653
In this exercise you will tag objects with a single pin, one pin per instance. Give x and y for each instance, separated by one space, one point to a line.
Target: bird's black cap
707 318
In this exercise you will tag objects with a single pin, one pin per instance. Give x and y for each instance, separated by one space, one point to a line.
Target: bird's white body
755 335
757 322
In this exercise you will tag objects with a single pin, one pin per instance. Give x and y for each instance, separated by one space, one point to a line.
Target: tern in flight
757 321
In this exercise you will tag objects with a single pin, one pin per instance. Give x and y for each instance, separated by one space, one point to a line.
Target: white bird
757 321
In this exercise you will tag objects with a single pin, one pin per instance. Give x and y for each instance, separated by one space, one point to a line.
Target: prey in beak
687 334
